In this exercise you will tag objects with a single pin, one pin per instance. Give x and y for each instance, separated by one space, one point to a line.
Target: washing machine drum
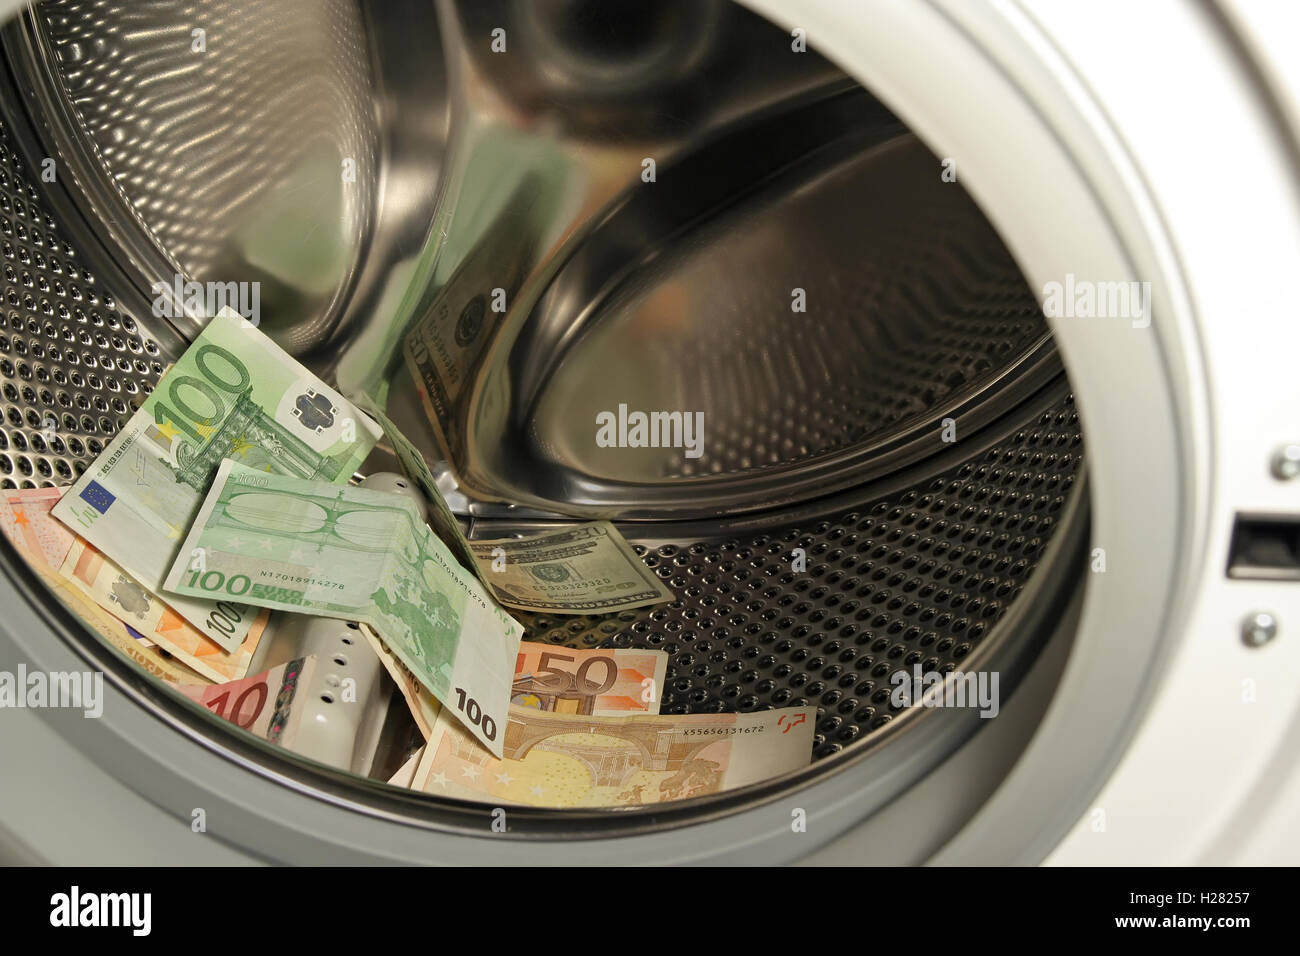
822 276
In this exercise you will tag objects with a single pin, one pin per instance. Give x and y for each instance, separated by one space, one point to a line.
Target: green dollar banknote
233 394
360 555
582 569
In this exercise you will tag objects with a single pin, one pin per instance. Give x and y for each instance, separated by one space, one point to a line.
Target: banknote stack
227 504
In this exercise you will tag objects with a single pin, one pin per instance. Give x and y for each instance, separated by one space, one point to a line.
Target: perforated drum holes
58 328
919 578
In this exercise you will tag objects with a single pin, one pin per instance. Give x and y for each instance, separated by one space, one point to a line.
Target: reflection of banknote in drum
564 760
592 682
452 340
360 555
233 394
584 569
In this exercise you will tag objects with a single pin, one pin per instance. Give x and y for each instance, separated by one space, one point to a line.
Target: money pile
233 395
227 503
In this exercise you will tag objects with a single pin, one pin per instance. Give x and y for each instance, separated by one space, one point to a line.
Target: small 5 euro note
112 589
102 581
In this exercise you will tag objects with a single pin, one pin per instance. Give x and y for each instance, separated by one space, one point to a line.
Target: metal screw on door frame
1286 462
1258 629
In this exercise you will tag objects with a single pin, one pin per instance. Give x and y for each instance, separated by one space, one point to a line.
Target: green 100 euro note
361 555
233 394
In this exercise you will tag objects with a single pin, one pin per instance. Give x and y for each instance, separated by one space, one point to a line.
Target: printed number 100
474 714
236 584
222 371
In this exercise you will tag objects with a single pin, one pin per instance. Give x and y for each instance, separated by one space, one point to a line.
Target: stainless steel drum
676 209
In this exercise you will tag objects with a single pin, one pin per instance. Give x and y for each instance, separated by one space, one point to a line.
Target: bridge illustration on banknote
250 426
319 519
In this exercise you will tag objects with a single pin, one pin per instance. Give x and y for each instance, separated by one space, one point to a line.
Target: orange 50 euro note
571 760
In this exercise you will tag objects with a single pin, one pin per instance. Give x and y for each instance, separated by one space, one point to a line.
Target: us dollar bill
448 346
359 555
233 394
569 760
583 569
